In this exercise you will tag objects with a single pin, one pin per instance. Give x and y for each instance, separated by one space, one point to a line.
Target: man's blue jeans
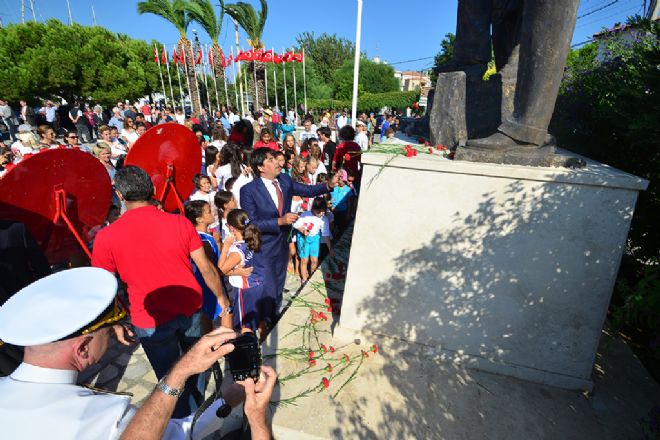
164 345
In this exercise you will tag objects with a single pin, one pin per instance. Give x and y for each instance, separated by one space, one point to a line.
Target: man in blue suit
267 200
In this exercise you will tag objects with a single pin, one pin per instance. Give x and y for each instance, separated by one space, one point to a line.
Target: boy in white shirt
361 136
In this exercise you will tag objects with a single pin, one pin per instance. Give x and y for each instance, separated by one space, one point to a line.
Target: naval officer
65 321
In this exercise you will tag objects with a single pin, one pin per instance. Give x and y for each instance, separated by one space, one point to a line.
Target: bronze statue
530 40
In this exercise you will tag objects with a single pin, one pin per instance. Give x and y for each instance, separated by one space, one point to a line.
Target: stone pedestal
510 268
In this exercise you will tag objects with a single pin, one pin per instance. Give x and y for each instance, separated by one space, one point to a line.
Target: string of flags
265 56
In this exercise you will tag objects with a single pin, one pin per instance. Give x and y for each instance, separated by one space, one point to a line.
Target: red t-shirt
354 160
150 250
272 145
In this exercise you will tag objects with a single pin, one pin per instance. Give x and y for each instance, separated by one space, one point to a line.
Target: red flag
163 58
298 57
182 56
155 55
277 59
287 57
210 54
199 56
229 60
258 55
247 56
267 56
175 58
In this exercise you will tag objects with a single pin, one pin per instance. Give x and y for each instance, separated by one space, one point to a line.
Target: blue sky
395 30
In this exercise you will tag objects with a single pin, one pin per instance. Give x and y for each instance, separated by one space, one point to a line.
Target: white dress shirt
271 190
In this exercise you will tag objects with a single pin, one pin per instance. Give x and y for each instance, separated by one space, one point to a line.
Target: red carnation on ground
324 349
332 349
374 348
311 355
312 362
430 150
323 316
329 368
325 382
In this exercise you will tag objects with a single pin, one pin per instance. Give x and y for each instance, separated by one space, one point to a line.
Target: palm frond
252 23
173 11
203 13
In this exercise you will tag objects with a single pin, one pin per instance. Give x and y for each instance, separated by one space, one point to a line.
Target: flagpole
169 78
194 64
233 68
178 75
185 64
160 71
286 102
256 92
240 83
295 96
215 80
224 80
304 78
206 78
266 82
247 104
275 80
356 63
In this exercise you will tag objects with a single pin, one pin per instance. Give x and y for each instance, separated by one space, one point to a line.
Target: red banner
175 58
155 55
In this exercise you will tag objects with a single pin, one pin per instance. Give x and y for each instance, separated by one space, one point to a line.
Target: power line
410 61
602 19
593 11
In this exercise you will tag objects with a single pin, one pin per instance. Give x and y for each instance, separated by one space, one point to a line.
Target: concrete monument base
510 268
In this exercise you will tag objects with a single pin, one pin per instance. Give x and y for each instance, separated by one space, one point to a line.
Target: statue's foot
470 69
497 142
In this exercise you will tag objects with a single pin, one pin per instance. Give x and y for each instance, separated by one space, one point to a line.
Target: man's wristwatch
165 388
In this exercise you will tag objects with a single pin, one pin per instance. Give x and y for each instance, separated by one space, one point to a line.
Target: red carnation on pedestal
325 382
332 349
323 317
329 368
312 363
311 355
327 301
324 349
430 150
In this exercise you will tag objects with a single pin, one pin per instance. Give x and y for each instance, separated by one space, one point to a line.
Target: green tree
373 78
175 12
253 24
446 53
51 60
327 52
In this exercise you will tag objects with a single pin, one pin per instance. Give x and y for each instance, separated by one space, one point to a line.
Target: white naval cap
57 306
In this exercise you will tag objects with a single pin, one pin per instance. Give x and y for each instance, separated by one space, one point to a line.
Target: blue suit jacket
256 201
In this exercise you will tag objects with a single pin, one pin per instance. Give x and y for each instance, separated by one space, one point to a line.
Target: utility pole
68 6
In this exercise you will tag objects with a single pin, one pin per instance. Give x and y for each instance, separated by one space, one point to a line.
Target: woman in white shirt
231 165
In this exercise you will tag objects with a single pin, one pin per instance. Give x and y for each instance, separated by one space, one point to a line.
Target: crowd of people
269 200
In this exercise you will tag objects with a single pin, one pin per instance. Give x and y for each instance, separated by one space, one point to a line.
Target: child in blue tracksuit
239 248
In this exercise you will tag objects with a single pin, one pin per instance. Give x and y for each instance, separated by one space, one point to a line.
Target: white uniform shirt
39 403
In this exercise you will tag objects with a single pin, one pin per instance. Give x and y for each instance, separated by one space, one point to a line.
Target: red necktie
280 197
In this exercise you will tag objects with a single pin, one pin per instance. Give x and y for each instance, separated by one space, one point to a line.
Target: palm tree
253 24
203 13
174 11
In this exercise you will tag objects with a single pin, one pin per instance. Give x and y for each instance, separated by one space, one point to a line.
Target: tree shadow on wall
520 281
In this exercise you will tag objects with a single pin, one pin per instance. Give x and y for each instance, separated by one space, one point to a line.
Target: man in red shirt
151 251
266 141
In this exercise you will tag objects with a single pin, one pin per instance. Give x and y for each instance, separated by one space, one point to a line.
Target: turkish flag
199 56
277 59
226 62
155 55
298 57
210 56
258 55
287 57
247 56
175 58
267 56
163 58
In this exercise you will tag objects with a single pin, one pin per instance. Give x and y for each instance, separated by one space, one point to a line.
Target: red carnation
329 368
410 153
420 140
311 355
325 382
323 316
324 349
374 348
329 309
312 363
365 354
430 150
347 157
426 143
327 301
332 349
